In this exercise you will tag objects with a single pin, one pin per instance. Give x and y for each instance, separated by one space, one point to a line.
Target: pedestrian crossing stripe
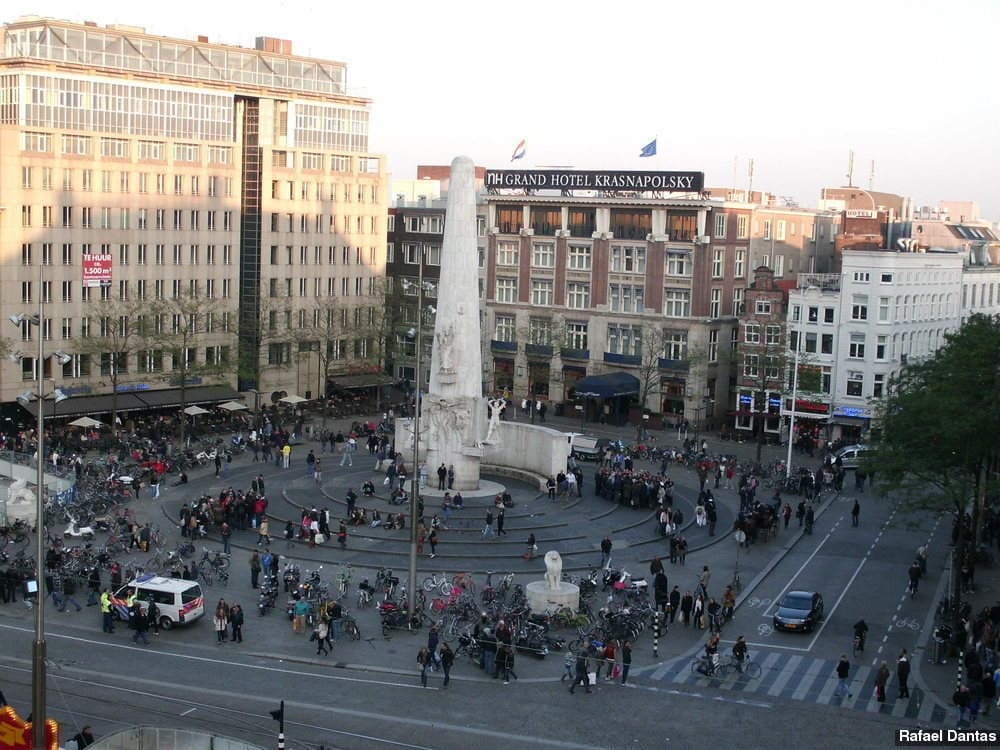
806 679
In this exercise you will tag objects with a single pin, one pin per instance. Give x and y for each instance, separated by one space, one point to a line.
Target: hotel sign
546 179
861 213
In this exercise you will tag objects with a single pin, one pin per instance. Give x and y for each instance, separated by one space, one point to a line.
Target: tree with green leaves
186 321
937 444
111 338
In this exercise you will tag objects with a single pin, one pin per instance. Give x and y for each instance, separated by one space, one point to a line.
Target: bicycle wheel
752 670
430 583
352 630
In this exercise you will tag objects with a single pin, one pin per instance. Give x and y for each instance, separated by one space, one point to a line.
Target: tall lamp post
795 396
38 647
411 581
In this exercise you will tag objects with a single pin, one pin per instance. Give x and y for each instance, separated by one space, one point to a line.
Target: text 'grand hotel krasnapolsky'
544 179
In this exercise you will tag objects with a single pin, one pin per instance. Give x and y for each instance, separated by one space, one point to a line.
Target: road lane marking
205 659
189 711
802 567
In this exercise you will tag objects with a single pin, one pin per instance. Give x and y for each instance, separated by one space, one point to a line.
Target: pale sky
793 85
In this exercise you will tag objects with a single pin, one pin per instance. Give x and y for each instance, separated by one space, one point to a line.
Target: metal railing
150 738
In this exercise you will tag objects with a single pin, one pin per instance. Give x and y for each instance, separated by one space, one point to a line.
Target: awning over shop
134 401
363 380
608 385
848 421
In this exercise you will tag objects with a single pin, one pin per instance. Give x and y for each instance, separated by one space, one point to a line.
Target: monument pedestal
541 598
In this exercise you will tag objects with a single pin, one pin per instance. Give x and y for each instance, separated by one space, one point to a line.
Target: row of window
348 255
887 348
287 287
622 298
316 223
121 148
621 338
122 182
320 191
94 217
139 289
120 328
280 353
623 259
144 254
144 361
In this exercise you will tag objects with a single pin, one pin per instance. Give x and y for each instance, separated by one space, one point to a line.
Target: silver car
851 456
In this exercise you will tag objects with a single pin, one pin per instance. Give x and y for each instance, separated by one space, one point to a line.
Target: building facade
760 367
195 170
886 310
579 285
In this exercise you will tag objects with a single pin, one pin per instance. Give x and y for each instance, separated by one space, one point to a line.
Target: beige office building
236 175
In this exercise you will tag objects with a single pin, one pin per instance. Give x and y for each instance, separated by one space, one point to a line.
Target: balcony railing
582 230
629 232
575 354
622 359
538 350
503 346
825 281
674 364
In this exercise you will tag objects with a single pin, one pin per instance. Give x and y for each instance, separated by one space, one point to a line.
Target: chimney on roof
203 39
273 44
90 23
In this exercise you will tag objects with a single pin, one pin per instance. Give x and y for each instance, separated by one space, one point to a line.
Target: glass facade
133 50
331 126
113 106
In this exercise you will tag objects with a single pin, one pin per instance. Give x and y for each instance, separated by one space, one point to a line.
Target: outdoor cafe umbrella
194 411
232 406
292 400
86 422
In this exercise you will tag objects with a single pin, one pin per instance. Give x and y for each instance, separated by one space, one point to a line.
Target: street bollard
656 634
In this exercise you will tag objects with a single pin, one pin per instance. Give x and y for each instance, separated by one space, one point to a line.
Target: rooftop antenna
750 181
871 176
736 167
850 168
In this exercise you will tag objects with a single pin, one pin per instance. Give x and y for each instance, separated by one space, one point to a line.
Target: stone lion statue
553 569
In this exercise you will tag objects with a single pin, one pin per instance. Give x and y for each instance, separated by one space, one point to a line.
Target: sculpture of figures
553 569
446 341
493 429
448 420
20 494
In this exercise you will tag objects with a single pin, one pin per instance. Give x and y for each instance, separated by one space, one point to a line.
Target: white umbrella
232 406
292 399
86 422
194 411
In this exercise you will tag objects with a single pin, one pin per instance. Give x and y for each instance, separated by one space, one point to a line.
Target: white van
180 602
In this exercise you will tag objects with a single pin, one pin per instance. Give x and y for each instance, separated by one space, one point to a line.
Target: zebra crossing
803 678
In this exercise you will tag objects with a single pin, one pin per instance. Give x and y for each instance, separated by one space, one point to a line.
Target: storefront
849 424
672 398
538 380
503 375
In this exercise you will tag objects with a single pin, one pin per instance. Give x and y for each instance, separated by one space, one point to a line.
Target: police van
180 602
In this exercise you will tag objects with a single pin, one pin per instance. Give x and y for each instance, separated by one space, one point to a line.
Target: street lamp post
39 646
411 581
795 395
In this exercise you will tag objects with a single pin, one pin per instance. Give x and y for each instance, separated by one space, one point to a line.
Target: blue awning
608 385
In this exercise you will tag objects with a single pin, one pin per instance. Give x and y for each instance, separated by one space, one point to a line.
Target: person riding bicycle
740 652
860 631
914 573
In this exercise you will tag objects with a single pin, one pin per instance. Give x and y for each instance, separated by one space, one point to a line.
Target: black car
799 610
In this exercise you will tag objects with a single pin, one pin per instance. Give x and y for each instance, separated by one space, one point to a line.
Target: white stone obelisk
454 410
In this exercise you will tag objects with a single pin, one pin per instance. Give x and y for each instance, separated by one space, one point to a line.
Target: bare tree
323 335
111 338
185 321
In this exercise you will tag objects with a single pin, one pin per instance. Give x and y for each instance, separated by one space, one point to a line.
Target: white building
890 308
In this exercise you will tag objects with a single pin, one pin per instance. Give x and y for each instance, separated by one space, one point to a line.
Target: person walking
236 622
881 680
254 569
626 659
218 464
488 527
264 531
500 520
442 472
153 617
606 547
704 577
349 447
221 620
447 658
581 677
320 633
424 660
855 512
903 674
226 532
843 670
317 471
286 455
432 539
506 656
687 606
141 624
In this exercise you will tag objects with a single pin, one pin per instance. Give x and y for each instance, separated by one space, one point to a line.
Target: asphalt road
368 695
